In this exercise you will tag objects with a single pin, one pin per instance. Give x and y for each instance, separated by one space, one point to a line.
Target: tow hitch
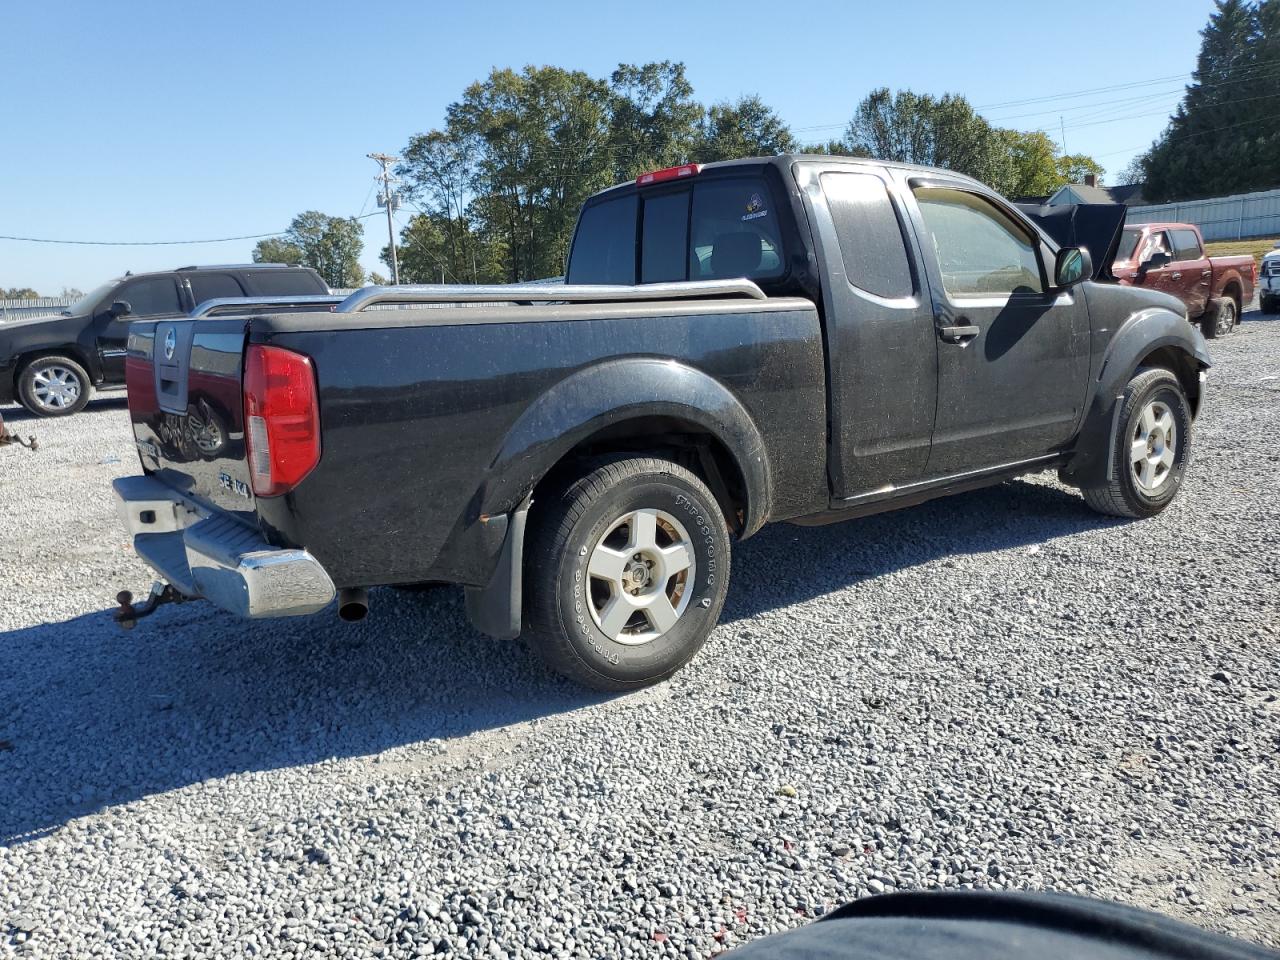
130 613
6 437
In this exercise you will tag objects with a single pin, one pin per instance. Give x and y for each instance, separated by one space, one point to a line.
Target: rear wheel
1152 448
626 571
1220 321
53 386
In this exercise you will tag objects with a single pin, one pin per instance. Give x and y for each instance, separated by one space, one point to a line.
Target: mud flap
494 609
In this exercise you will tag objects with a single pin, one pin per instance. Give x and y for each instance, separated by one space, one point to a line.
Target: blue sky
172 121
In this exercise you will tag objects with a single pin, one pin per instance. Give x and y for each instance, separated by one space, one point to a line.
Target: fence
44 306
1220 218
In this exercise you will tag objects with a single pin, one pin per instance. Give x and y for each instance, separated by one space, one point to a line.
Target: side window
283 283
981 250
734 231
604 248
1186 245
155 296
211 286
871 242
1156 243
664 237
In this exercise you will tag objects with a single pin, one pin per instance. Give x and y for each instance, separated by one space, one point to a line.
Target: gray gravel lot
1000 689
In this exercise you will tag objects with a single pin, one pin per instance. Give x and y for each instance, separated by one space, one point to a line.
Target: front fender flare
1142 334
611 393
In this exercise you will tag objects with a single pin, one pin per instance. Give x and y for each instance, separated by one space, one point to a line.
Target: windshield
85 303
1128 243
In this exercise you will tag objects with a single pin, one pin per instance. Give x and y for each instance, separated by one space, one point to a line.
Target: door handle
960 334
1176 276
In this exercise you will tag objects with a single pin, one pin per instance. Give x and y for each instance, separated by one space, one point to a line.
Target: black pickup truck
50 364
793 338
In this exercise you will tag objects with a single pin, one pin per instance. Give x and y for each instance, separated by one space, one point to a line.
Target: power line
1201 133
156 243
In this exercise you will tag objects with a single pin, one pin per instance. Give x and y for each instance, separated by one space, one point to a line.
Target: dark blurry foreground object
996 926
6 437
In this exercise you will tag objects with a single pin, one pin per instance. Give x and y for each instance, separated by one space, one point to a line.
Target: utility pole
390 201
1062 133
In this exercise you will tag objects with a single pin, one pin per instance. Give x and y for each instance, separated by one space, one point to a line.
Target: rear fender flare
611 393
1141 335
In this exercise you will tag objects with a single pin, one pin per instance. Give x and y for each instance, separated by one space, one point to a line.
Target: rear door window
211 286
284 283
871 241
1186 245
664 237
734 231
604 248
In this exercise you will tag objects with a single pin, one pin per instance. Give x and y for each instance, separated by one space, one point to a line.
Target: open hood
1094 226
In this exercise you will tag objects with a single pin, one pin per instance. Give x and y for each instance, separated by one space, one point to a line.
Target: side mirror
1158 259
1073 265
119 309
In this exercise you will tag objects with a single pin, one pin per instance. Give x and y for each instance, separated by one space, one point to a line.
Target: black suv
50 364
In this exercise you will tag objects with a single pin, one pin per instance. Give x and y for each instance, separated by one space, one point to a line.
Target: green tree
654 120
439 169
277 250
1074 167
329 245
543 146
747 127
1225 135
832 148
19 293
424 250
1033 168
937 131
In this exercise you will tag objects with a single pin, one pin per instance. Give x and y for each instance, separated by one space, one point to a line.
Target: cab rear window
713 229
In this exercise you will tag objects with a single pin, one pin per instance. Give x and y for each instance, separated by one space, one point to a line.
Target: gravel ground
998 690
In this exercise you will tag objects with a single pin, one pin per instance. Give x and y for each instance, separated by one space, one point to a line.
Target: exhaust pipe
353 604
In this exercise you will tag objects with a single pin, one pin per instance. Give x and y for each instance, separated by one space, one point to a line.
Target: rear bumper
207 554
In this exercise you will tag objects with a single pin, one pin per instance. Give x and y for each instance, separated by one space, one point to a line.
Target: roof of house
1129 193
1087 193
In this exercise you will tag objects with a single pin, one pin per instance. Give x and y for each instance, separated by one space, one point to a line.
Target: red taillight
670 173
281 418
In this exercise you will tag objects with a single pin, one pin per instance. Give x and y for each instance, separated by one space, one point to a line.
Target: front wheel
1267 304
1151 448
53 386
626 571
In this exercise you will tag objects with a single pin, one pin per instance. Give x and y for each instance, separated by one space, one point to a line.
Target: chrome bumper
207 554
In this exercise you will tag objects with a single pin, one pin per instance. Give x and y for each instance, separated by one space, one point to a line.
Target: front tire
1267 304
1151 448
626 571
53 386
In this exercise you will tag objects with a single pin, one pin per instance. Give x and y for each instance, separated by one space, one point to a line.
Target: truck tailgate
187 408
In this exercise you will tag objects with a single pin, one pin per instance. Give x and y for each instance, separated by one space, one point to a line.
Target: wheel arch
69 350
1150 338
645 405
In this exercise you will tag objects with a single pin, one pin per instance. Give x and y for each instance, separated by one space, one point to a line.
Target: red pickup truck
1170 257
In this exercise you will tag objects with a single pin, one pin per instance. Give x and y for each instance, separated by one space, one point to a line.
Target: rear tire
53 386
1220 318
626 571
1151 449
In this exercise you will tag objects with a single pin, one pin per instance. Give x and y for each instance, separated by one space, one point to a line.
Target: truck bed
459 396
